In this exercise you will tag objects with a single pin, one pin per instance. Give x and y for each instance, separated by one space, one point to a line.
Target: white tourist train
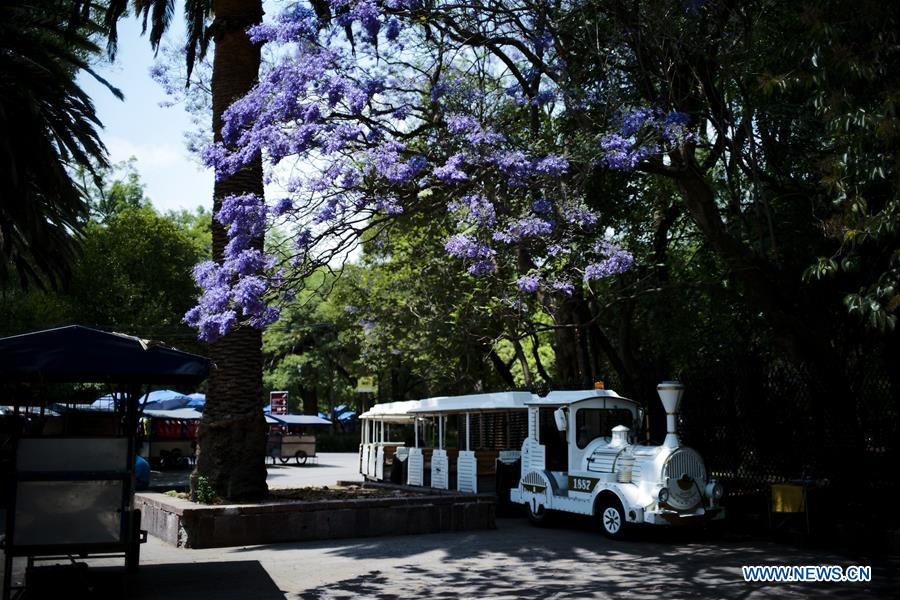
577 449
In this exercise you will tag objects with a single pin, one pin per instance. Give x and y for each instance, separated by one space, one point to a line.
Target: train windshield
592 423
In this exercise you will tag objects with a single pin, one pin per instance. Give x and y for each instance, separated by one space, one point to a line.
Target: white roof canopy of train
491 402
566 397
391 411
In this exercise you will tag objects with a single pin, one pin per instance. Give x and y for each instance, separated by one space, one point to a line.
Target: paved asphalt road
324 470
513 561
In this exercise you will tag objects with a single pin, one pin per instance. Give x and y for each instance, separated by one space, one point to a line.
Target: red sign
279 402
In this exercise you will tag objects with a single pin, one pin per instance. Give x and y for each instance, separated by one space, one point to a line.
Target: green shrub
204 492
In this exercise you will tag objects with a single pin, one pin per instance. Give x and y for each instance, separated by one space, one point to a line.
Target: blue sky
140 127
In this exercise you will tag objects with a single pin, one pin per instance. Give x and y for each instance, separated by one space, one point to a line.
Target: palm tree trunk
232 435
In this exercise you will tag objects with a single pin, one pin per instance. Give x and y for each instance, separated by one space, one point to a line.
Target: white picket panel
372 457
379 463
467 472
416 467
440 470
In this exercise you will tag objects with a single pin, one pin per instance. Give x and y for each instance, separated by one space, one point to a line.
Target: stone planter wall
190 525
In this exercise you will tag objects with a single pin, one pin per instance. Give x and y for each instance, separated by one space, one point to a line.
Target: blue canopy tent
166 400
197 401
155 400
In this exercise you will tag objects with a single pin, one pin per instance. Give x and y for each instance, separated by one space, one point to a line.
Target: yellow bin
788 498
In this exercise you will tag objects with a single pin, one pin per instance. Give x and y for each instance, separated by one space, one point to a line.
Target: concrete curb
186 524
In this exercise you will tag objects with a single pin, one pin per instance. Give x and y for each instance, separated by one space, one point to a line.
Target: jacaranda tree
369 115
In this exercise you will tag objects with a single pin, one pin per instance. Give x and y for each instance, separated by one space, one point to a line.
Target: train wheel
300 457
538 515
612 518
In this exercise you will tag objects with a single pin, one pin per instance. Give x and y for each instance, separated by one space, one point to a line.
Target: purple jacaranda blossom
640 134
243 214
270 314
350 115
474 209
211 326
554 166
392 31
248 261
473 131
564 287
542 206
465 246
386 158
580 216
557 249
295 23
524 228
248 295
282 207
451 172
389 206
482 267
208 274
528 283
616 261
515 164
543 97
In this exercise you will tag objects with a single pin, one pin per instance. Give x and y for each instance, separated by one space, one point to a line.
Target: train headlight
715 490
663 495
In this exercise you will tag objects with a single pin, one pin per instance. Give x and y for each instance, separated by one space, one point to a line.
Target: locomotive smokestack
670 393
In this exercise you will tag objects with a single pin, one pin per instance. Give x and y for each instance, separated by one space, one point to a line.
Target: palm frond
48 125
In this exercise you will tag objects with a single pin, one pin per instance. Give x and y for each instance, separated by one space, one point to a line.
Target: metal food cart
289 437
70 482
169 437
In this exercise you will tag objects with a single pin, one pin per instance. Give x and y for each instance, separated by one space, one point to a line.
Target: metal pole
468 422
416 429
440 433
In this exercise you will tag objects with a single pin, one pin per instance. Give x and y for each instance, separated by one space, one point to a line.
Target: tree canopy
48 129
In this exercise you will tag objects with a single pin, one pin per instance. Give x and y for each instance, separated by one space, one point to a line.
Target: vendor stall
169 437
71 479
292 436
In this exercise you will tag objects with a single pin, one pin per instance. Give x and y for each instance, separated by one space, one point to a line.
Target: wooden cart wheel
300 457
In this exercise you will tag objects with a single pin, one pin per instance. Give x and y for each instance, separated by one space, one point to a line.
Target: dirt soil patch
318 494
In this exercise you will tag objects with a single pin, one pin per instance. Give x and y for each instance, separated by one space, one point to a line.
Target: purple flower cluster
236 289
642 133
615 261
580 216
529 283
524 228
564 287
465 246
343 101
473 131
542 206
474 209
480 256
451 171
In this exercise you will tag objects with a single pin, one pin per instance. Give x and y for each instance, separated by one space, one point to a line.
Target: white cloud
172 178
149 156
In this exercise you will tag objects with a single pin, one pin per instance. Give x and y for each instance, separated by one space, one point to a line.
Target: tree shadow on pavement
568 561
187 581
